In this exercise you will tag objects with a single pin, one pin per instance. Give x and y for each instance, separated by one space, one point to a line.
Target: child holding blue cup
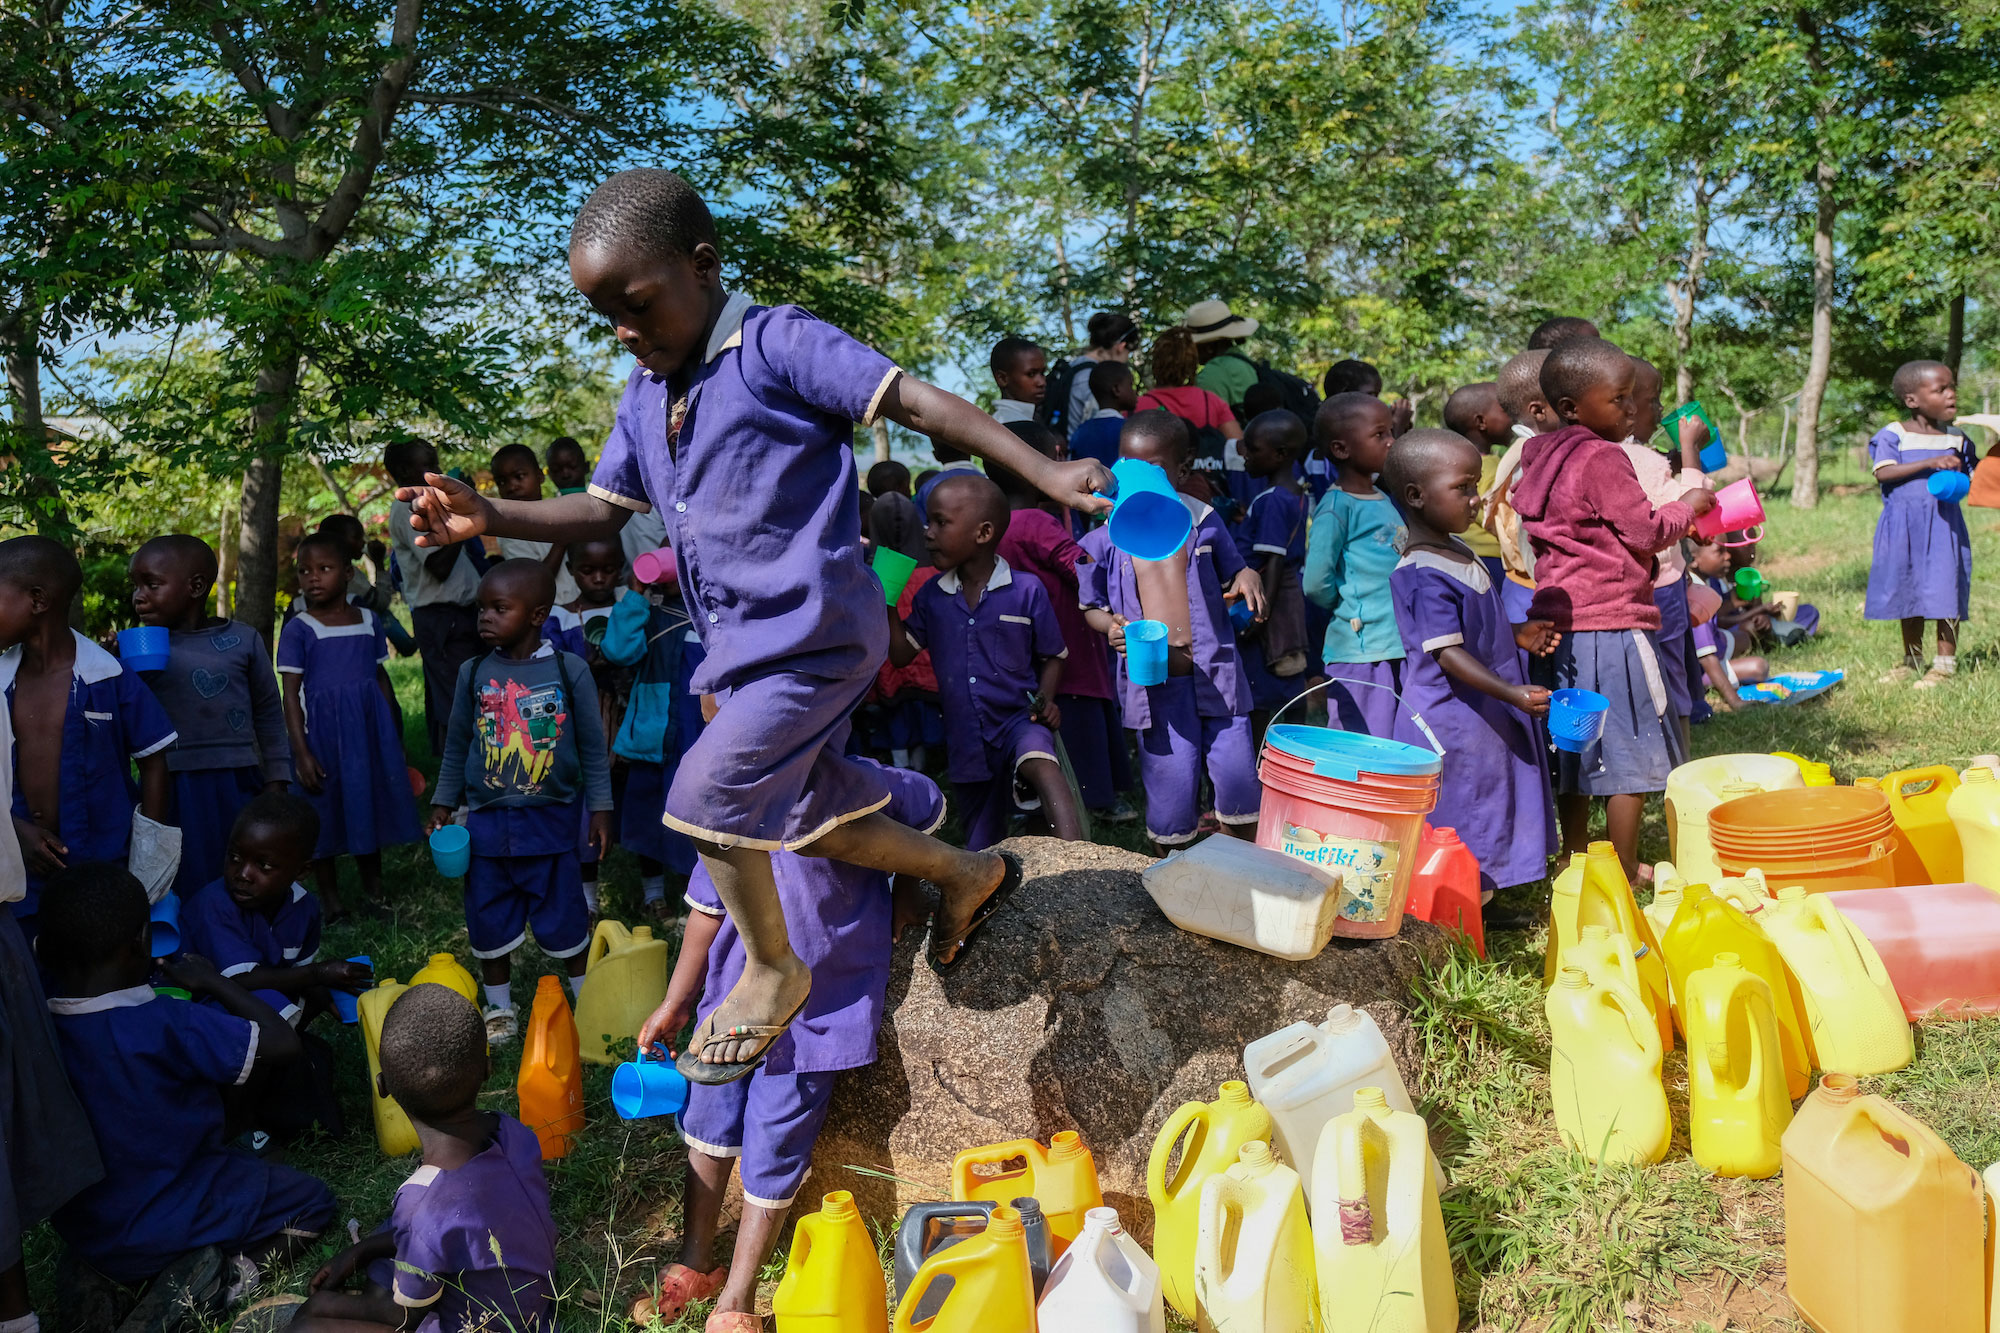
1922 568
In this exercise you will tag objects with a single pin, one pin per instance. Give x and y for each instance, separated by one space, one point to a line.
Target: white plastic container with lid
1104 1283
1307 1073
1238 892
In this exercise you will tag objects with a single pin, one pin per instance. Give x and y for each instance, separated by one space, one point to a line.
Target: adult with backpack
1175 363
1069 402
1230 374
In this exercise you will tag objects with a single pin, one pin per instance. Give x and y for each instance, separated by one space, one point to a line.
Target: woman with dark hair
1175 363
1112 336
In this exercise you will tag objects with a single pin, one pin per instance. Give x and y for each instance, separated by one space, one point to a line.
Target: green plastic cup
894 569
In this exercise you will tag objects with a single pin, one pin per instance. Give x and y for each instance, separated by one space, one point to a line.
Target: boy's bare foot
765 1000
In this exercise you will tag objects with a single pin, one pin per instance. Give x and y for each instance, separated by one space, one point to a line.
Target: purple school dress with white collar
986 661
239 939
364 803
840 917
475 1245
1495 786
1190 723
1274 523
1923 554
754 473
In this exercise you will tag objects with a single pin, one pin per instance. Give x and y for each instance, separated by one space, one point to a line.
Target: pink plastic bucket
1737 509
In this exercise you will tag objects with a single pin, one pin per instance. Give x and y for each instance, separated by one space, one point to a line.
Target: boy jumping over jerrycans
738 422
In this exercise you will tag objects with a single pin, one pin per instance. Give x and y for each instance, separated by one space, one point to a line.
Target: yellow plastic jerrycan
1853 1017
1253 1261
625 980
1706 926
1668 885
992 1290
1384 1265
393 1129
551 1080
1062 1178
1737 1107
1920 800
1883 1223
1603 954
833 1278
1214 1134
1975 813
1604 1071
1815 773
1593 891
444 970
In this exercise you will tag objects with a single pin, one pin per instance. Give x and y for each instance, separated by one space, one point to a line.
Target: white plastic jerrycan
1306 1074
1253 1263
1384 1263
1236 891
1104 1283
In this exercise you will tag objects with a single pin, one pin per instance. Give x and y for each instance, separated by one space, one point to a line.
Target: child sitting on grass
1349 553
843 925
469 1245
155 1075
998 652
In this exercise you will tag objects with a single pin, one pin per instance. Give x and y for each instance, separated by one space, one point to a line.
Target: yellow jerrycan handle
1213 1201
1357 1215
1743 996
1842 935
1163 1147
1638 1019
993 1154
609 935
943 1263
1877 1136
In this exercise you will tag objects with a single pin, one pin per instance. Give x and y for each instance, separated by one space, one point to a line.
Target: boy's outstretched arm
949 419
664 1027
444 511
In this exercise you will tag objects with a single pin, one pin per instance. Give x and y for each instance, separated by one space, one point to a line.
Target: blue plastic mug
1146 652
1714 456
144 648
347 1004
1950 487
451 850
166 918
1576 719
1149 520
641 1088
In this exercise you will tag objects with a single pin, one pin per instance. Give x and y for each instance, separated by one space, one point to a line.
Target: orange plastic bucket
1873 867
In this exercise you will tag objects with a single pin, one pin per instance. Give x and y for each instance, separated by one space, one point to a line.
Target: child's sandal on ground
680 1288
1934 678
1010 880
714 1073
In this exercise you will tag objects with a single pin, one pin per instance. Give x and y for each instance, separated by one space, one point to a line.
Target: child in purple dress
220 694
1923 554
738 422
843 924
1349 553
345 747
1464 672
1198 720
1271 539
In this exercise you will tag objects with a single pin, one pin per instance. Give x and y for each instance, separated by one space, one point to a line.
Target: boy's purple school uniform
1923 554
985 658
111 720
754 474
240 939
1495 786
839 917
475 1246
150 1071
1274 523
1193 722
364 803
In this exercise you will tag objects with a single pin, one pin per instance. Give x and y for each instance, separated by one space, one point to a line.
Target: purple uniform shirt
757 488
985 658
1220 690
839 917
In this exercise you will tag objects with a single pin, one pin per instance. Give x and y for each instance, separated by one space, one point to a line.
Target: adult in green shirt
1225 372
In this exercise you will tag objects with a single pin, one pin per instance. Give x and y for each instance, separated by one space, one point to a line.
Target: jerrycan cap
838 1206
1234 1093
1004 1223
443 959
1574 978
1256 1155
1981 774
1869 784
1600 847
1726 960
1342 1018
1442 837
1792 893
1597 932
1839 1088
1030 1209
1067 1145
1372 1100
642 932
1103 1218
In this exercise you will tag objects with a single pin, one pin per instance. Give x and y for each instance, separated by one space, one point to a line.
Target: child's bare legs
756 1233
1947 637
1045 776
1621 825
1750 670
369 866
327 876
1573 819
1913 640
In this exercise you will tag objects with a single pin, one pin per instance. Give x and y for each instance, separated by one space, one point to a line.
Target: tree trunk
39 490
263 480
1819 365
1954 339
225 572
1688 290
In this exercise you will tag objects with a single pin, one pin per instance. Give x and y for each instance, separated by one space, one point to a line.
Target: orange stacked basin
1824 838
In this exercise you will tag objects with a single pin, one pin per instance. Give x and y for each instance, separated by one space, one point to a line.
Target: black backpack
1054 409
1294 394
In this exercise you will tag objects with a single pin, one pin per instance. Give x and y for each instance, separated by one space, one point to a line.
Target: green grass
1542 1239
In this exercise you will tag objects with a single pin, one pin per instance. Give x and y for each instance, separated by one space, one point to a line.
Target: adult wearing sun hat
1216 330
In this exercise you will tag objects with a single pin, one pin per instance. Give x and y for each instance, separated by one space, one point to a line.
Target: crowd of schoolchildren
672 653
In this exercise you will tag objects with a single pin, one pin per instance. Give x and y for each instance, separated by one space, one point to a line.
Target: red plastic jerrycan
1445 889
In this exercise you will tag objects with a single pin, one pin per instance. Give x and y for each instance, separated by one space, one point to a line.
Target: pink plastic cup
1737 509
655 566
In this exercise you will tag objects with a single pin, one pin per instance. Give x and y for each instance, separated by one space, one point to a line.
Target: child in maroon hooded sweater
1595 535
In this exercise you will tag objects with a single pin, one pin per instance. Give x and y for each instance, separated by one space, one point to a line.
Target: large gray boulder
1082 1008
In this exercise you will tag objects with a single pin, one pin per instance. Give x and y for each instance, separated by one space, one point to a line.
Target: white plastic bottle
1104 1283
1244 894
1306 1074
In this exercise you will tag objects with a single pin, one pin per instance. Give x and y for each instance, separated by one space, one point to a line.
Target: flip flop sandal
710 1073
1009 882
681 1287
734 1321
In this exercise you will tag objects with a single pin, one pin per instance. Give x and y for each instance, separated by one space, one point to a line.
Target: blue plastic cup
1149 520
166 919
642 1088
1714 456
1576 719
1146 652
451 850
144 648
1240 614
346 1003
1950 487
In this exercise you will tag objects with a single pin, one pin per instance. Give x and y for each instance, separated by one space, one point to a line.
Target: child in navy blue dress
998 652
152 1072
1271 539
345 747
1923 554
469 1245
219 692
738 422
